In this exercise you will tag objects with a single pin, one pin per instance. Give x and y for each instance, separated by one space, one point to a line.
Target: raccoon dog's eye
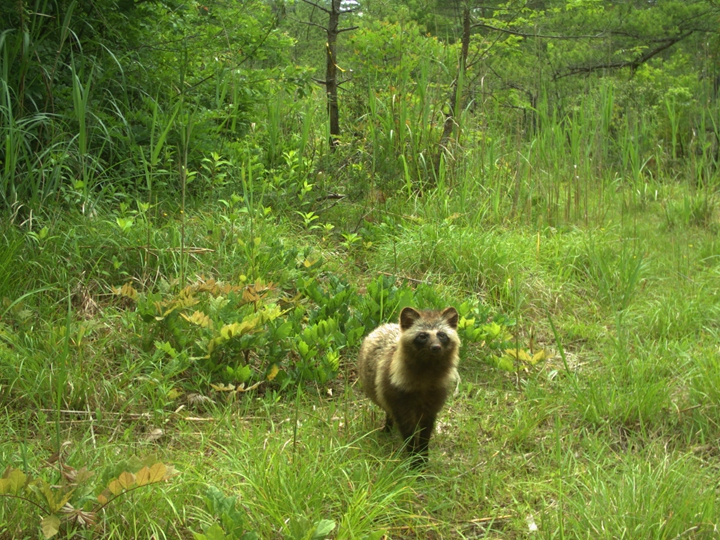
442 336
422 337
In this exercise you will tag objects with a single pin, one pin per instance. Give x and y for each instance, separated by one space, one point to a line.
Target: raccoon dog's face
429 331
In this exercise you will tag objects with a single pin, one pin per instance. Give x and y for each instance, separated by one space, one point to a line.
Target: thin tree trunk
456 90
331 82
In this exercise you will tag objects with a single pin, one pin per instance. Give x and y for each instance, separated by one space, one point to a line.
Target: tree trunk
331 82
455 100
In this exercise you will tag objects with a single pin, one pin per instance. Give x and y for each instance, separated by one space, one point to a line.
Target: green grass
615 438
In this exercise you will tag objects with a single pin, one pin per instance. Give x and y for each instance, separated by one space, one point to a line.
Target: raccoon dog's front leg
417 437
426 426
388 423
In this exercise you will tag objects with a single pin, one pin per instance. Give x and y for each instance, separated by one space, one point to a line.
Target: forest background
207 205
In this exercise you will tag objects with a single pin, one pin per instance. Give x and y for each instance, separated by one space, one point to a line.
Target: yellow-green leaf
539 356
151 475
223 387
466 322
198 318
115 487
126 480
229 331
274 370
127 290
12 481
506 364
50 525
55 499
83 475
518 354
104 497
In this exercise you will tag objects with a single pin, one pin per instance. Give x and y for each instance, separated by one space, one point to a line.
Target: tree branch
632 64
310 23
541 36
348 29
317 6
238 64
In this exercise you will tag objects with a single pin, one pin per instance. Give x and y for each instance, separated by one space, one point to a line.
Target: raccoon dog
408 369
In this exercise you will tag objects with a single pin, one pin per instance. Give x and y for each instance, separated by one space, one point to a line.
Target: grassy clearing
615 271
615 440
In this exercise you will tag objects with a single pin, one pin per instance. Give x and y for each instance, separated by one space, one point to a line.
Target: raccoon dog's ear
451 316
408 316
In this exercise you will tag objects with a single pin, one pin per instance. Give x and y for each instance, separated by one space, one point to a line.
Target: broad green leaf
50 525
12 481
243 373
215 532
493 329
323 528
124 223
135 464
283 330
333 359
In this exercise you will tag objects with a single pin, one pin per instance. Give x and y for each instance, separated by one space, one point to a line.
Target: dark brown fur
408 368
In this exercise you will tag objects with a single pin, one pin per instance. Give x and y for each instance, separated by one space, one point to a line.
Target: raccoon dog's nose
435 347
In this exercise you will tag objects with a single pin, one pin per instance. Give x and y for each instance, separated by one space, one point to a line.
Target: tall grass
647 497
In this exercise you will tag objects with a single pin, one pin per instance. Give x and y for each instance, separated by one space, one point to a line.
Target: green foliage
391 55
231 334
240 336
231 524
384 301
77 502
109 95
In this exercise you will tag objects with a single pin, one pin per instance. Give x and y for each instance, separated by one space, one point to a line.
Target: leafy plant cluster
230 520
236 337
72 499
